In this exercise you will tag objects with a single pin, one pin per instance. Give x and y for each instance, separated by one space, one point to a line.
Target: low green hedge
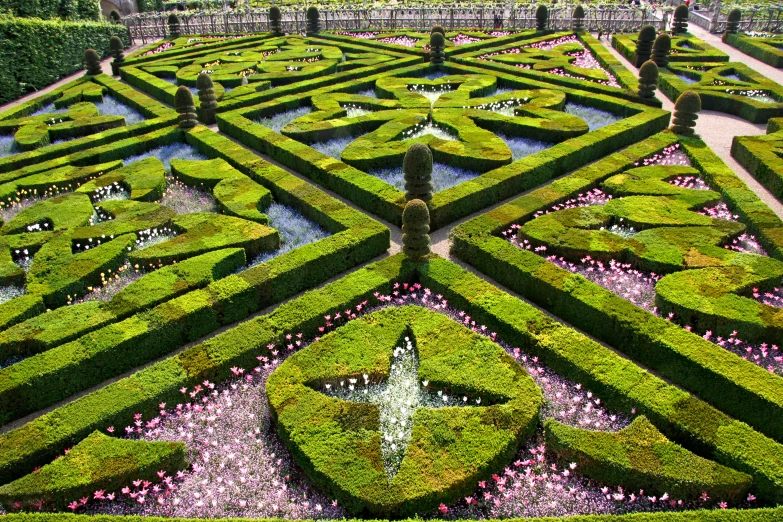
759 48
685 48
760 155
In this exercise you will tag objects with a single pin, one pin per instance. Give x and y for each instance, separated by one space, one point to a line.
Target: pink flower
73 505
443 508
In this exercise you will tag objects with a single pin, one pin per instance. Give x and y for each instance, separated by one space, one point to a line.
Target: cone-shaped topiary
733 21
542 18
648 79
438 29
644 45
174 27
685 113
114 16
415 230
417 168
116 47
92 62
437 48
183 102
680 23
661 48
313 21
578 18
275 18
206 95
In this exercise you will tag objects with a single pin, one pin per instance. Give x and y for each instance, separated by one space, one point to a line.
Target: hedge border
757 155
756 48
625 44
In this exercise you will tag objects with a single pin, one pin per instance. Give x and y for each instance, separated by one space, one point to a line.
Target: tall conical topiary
275 21
183 103
174 26
92 62
417 168
542 18
415 230
685 113
116 47
437 48
680 23
578 18
661 48
644 45
648 79
206 95
733 21
114 16
313 21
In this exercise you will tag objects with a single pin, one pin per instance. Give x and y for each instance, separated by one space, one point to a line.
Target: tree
685 113
437 46
661 48
733 21
313 21
183 103
680 23
275 18
114 16
417 167
542 18
644 45
174 26
92 62
116 47
648 79
415 230
206 95
577 18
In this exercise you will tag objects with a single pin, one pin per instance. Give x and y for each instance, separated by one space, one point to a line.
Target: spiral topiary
685 113
114 16
542 18
577 18
92 62
644 45
733 21
661 48
174 26
437 47
417 167
438 29
648 79
415 230
313 21
206 95
183 103
680 23
116 47
275 21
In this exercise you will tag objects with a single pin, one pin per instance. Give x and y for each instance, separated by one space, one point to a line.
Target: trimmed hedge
71 9
761 156
685 48
768 50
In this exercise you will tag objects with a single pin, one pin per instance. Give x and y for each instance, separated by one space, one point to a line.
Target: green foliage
174 26
183 103
437 46
542 17
680 20
761 156
768 50
206 95
417 168
648 79
686 107
116 47
47 9
661 49
644 45
92 62
578 17
313 26
438 29
733 21
115 16
415 230
275 17
144 179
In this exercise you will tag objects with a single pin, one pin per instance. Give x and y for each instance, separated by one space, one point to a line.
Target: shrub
415 230
644 45
174 26
313 26
733 21
686 107
417 167
438 29
661 48
92 62
648 79
275 17
437 46
116 47
680 22
206 95
542 18
183 103
115 16
48 9
577 18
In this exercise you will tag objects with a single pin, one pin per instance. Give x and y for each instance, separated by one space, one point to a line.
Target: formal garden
486 271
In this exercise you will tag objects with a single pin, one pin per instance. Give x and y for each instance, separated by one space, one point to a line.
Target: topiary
648 79
116 47
577 18
183 103
542 17
680 23
417 168
661 48
685 113
114 16
206 95
415 230
275 17
733 21
92 62
174 26
313 21
644 45
437 46
438 29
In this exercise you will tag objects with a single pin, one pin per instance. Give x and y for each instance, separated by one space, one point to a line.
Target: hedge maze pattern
409 386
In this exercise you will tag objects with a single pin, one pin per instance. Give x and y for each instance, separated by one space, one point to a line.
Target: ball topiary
542 18
92 62
437 48
415 230
183 103
417 168
275 19
114 16
206 95
644 45
174 26
438 29
680 23
313 21
733 21
685 113
661 48
648 79
577 18
116 47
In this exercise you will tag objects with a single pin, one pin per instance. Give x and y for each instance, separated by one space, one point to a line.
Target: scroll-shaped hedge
144 179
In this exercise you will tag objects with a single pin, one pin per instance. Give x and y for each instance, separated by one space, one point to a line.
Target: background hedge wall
35 53
71 9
